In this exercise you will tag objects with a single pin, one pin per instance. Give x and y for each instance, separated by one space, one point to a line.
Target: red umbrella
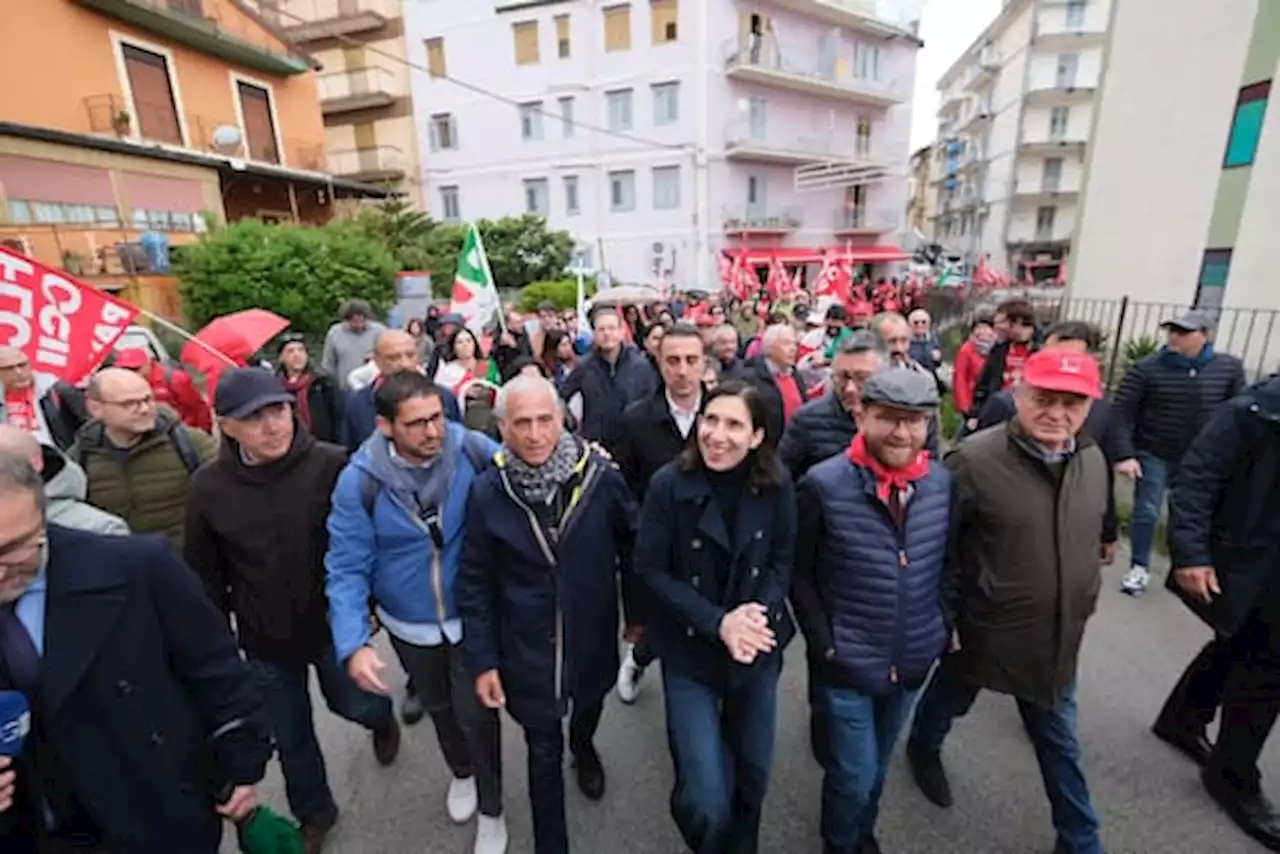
230 340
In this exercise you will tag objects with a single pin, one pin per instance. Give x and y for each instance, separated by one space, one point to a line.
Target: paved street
1148 797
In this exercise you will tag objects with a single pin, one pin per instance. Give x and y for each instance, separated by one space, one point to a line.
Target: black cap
902 388
243 391
1190 321
289 338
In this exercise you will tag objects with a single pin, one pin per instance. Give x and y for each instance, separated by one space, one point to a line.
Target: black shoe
869 845
930 776
411 710
1190 741
386 743
1247 807
590 772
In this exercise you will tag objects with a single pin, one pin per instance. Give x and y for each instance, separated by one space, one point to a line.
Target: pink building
660 132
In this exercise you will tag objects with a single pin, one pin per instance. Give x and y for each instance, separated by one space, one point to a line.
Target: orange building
119 117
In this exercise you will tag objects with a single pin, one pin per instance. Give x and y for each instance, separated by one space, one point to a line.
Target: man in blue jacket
393 350
546 529
870 577
395 538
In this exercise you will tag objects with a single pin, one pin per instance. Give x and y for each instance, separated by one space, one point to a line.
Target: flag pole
484 258
173 327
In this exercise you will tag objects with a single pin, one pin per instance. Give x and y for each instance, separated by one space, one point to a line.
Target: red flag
780 283
725 267
64 326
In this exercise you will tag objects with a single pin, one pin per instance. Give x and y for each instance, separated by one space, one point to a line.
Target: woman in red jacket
969 360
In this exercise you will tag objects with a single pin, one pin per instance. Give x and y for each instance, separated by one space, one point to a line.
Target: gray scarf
538 485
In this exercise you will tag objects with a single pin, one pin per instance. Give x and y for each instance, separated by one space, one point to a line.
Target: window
757 116
619 104
531 120
566 116
866 61
1051 177
1075 14
23 211
862 139
450 209
259 128
435 57
563 46
622 191
755 196
666 103
664 16
571 207
1246 125
537 196
526 39
444 135
666 187
1214 270
1044 222
1059 117
153 101
617 29
1067 65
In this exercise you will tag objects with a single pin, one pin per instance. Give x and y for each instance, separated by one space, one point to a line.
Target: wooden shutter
259 131
663 15
526 37
435 57
617 29
563 45
157 117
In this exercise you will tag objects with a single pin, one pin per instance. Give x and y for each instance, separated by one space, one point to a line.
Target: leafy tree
302 273
564 293
523 250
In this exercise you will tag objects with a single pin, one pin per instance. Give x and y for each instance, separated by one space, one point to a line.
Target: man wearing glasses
47 409
138 459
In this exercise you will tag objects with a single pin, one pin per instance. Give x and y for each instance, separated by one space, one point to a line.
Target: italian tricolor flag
475 295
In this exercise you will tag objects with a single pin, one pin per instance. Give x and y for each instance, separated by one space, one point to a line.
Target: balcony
760 220
308 21
841 13
1053 143
762 63
385 164
366 88
190 23
861 222
1047 189
1060 90
976 120
982 72
972 157
1026 233
749 143
1063 28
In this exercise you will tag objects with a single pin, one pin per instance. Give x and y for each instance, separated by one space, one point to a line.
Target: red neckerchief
300 386
20 408
887 480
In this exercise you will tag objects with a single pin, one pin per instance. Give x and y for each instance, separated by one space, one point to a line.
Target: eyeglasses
134 404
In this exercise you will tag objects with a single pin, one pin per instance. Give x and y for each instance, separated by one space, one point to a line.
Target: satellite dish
227 139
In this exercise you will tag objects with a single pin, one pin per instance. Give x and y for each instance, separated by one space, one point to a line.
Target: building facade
660 132
921 197
1013 129
363 85
126 117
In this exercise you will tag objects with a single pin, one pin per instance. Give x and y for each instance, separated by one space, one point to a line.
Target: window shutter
526 40
617 29
435 57
663 15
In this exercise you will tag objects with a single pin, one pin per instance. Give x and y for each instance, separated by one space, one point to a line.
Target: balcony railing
764 62
863 219
356 89
760 219
383 163
786 144
312 20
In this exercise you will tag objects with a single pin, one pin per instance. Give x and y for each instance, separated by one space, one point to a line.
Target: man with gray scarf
396 534
547 527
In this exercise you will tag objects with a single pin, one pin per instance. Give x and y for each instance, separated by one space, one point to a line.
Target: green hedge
564 293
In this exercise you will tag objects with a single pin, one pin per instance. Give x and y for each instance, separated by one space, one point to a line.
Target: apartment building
120 117
363 85
660 132
920 193
1013 129
1193 219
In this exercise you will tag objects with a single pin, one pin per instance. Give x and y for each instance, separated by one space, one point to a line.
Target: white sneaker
491 835
629 675
1135 581
462 799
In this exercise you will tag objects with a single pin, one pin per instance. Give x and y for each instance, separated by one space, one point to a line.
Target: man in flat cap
871 571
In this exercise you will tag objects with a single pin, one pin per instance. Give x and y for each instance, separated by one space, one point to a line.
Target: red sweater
965 379
175 389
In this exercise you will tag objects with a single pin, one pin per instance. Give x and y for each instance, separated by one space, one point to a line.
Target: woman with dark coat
319 401
715 550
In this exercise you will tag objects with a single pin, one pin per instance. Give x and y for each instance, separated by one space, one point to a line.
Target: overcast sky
947 28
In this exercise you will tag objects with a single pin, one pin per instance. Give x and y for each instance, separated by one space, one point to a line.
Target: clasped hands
746 634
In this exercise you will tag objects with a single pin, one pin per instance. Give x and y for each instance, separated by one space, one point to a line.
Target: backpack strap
181 441
369 489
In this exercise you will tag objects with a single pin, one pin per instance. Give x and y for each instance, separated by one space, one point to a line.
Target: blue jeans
285 691
722 745
1054 737
862 729
1148 496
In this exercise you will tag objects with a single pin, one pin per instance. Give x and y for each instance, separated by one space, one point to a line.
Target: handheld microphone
15 722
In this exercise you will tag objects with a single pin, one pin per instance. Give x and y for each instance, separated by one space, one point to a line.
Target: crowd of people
731 475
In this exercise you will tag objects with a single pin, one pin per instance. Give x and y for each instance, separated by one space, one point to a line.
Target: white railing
370 80
765 55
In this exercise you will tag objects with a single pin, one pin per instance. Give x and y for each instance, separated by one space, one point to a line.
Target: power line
489 93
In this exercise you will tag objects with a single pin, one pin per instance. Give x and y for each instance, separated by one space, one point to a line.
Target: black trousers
1250 697
1193 703
546 774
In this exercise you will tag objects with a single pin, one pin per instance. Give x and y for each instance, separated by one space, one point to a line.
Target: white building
1013 128
659 132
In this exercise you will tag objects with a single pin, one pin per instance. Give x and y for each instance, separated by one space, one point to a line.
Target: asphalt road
1148 797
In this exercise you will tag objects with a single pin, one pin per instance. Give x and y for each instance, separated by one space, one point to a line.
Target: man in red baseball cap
1058 387
171 386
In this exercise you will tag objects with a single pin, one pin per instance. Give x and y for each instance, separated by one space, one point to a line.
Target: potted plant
121 122
73 263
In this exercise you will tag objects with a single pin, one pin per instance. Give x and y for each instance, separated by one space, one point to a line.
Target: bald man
64 484
394 350
138 458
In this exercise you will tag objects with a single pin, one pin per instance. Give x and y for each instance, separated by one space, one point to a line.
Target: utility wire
489 93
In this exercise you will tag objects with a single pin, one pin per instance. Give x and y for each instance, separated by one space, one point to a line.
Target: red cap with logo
1063 370
131 358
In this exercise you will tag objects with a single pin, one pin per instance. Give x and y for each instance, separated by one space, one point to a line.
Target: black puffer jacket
820 429
1164 402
